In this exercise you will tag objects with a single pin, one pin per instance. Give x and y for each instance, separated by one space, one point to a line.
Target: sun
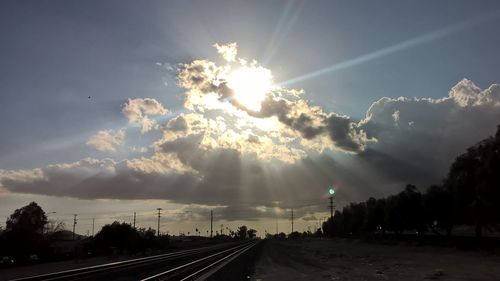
251 85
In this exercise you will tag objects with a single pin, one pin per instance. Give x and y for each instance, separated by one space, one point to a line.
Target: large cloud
219 177
218 152
420 137
206 85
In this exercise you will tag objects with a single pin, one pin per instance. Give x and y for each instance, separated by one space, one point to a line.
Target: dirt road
345 259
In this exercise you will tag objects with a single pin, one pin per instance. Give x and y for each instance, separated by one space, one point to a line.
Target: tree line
469 195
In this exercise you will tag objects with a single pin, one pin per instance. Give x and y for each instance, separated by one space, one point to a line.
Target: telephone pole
74 225
221 226
292 219
211 223
159 215
331 207
134 220
332 192
93 221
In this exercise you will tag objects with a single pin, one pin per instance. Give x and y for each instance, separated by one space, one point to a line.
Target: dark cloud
424 136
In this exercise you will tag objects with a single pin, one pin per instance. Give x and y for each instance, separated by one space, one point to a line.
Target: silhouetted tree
354 218
412 209
121 236
30 218
24 231
393 219
438 209
252 233
473 182
241 233
334 227
317 233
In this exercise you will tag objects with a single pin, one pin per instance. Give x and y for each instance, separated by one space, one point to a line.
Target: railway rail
194 264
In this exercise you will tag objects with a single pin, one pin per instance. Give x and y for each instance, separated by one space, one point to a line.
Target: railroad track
195 264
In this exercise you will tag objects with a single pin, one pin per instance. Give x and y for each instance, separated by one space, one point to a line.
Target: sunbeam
287 20
426 38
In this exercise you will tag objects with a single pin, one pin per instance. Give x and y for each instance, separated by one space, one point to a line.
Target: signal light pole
332 192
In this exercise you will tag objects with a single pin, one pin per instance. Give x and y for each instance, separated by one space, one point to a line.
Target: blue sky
55 54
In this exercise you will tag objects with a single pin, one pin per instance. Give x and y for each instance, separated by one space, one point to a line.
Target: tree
412 209
119 235
294 235
30 218
473 181
438 204
470 194
392 215
24 231
354 218
252 233
241 233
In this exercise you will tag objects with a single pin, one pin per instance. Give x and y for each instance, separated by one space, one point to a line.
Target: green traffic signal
331 191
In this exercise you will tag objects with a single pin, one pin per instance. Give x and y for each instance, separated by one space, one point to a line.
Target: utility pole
292 219
74 225
134 220
211 223
221 226
276 224
332 192
159 215
93 221
331 207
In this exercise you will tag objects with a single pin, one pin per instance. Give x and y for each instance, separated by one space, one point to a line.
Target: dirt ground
347 259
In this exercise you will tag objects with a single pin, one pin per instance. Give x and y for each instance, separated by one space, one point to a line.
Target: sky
247 108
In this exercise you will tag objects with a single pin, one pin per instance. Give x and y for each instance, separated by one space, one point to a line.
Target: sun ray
285 24
428 37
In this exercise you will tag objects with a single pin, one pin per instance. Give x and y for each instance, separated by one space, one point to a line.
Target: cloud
199 160
216 177
424 135
139 110
106 140
217 152
311 122
207 88
228 51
